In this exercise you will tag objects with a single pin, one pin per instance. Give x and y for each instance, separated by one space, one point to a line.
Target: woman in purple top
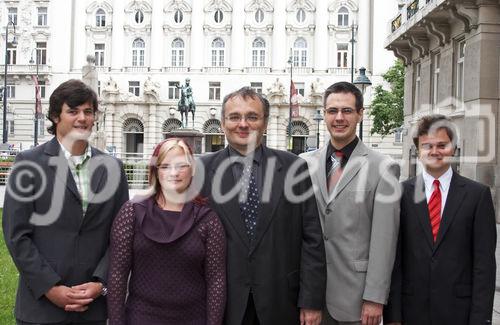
173 247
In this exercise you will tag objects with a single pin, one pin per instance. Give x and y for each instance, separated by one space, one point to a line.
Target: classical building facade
144 50
451 50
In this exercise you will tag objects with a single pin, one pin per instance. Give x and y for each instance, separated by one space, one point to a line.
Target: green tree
387 105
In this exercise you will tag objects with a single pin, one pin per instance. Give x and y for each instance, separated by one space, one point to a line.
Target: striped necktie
434 206
335 171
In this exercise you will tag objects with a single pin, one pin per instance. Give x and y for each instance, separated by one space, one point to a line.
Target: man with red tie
445 266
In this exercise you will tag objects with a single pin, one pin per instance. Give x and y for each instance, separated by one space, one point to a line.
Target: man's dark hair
72 93
433 123
245 93
345 88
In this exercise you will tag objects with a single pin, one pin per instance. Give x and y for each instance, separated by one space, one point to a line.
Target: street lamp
289 138
37 89
362 82
318 117
14 43
354 29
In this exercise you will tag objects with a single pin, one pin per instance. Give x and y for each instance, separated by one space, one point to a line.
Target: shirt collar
444 180
76 159
257 154
346 150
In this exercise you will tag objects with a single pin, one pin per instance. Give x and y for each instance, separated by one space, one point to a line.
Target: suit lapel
53 149
320 173
96 181
456 195
230 208
354 164
268 207
417 196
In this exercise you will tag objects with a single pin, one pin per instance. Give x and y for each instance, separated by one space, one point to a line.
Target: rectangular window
11 54
173 91
417 80
42 16
258 58
300 88
214 90
42 88
342 53
398 135
41 126
41 52
134 87
459 92
177 58
11 91
257 86
436 62
12 15
10 126
99 87
99 54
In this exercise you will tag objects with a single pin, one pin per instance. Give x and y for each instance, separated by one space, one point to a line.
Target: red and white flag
38 98
294 100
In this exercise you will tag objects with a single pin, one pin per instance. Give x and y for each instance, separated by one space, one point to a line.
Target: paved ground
496 307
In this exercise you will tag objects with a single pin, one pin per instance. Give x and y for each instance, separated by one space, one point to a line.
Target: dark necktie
434 206
335 171
249 199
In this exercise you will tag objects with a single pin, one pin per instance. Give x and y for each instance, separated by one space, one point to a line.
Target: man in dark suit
445 263
60 203
275 253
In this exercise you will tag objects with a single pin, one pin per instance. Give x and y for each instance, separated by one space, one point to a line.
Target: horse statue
186 103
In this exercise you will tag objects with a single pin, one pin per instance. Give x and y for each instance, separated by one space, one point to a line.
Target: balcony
175 69
300 70
136 69
257 70
102 69
216 69
340 71
412 9
26 69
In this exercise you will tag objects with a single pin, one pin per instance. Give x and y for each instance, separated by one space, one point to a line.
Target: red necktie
335 171
435 209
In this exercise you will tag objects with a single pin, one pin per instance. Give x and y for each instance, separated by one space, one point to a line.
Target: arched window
300 133
258 52
177 52
300 52
214 136
301 15
170 125
343 17
218 48
100 18
138 52
139 16
259 15
218 16
133 132
178 16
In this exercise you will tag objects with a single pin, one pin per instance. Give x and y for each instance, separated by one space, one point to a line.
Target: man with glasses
445 264
357 193
275 254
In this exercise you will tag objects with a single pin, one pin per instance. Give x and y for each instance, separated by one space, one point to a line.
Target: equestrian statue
186 103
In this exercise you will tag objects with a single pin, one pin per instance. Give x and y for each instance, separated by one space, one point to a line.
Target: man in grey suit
60 202
357 194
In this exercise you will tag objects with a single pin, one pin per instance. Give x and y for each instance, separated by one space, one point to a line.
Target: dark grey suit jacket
450 281
284 267
49 238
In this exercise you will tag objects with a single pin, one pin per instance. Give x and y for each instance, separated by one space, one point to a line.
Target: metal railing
396 23
412 9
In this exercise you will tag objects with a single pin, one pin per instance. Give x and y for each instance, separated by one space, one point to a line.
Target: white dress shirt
444 186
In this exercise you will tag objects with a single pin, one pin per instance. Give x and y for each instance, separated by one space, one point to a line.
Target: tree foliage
387 105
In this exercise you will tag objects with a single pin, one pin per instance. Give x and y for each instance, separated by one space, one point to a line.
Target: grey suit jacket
50 240
360 221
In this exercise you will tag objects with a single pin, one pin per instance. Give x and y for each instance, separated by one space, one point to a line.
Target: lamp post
318 117
289 138
37 87
14 43
362 82
354 29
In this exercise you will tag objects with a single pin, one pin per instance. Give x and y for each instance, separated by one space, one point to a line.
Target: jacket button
325 237
327 211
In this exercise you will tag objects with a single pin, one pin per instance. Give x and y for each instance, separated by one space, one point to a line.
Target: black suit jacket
60 245
284 267
451 281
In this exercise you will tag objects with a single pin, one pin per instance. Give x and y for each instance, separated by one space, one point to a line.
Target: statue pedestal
191 136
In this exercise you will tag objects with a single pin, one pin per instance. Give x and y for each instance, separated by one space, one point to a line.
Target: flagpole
289 137
37 89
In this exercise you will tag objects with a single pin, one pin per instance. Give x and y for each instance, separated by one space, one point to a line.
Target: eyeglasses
439 146
177 167
335 111
250 118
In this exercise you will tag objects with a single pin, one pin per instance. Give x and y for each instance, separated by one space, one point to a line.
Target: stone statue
186 103
89 73
316 86
111 86
150 86
277 87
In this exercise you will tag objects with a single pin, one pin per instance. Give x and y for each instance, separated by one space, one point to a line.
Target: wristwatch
104 291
